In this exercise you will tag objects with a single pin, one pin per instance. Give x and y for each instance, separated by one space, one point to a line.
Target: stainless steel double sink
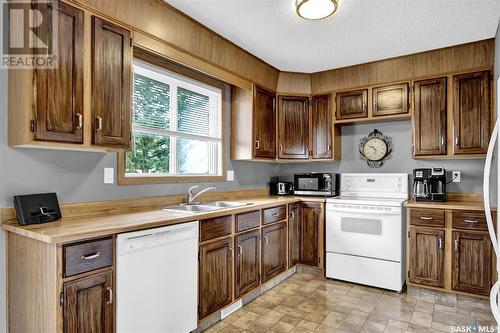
207 206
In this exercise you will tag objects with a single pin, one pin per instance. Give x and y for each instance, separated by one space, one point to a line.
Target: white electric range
365 230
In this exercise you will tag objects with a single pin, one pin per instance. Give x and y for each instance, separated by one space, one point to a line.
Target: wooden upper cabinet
59 92
293 127
88 304
293 234
427 256
273 250
471 113
247 266
471 262
390 100
111 84
352 104
321 127
215 276
429 118
264 123
309 233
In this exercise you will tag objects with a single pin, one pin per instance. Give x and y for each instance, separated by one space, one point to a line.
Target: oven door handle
373 213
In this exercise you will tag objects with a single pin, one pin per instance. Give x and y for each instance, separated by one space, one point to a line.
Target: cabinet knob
99 123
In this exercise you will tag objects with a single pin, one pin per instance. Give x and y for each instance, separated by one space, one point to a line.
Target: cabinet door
273 250
427 256
471 113
111 84
471 263
247 268
88 304
59 92
309 233
390 100
429 119
215 276
264 123
321 127
352 104
293 234
293 132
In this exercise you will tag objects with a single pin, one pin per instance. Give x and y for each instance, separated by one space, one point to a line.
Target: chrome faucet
192 196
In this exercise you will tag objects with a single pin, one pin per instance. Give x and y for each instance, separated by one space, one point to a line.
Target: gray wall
401 161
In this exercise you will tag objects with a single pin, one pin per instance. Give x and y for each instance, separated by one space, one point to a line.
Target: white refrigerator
495 237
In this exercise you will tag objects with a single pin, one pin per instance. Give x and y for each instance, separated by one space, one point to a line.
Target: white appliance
365 228
494 296
157 280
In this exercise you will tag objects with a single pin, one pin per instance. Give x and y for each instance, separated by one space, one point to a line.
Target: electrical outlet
109 175
455 176
230 175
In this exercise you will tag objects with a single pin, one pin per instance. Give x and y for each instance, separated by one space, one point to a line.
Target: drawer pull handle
426 217
275 214
91 256
257 144
292 216
240 248
456 244
99 124
80 121
470 221
266 240
110 300
440 243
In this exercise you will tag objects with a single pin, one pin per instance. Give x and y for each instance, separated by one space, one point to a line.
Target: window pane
193 112
151 102
150 154
192 156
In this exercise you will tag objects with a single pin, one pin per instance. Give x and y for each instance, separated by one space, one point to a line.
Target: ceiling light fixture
316 9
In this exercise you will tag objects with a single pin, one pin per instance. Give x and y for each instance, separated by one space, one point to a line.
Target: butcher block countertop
80 227
455 201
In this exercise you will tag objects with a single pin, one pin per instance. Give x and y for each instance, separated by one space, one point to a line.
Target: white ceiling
361 31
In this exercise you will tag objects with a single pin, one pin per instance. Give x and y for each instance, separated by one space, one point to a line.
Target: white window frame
214 138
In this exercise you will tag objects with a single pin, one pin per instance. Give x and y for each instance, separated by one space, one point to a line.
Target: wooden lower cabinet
247 263
293 234
426 264
471 262
309 233
215 275
274 238
88 304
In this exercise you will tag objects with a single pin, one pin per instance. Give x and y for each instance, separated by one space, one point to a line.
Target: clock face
375 149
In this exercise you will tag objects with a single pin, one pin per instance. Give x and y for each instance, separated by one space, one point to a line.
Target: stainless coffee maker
429 184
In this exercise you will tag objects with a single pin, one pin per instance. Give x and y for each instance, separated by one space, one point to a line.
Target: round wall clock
375 148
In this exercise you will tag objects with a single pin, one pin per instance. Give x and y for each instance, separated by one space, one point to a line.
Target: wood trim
148 57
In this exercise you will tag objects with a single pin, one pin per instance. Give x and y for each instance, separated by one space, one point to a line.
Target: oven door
366 231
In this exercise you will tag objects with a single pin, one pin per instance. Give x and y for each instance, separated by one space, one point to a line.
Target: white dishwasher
157 280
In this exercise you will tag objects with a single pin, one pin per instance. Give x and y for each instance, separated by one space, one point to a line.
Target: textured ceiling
361 31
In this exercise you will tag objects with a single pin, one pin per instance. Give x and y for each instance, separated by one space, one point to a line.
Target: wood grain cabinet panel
273 250
471 220
427 217
352 104
111 84
389 100
321 127
59 92
471 263
247 266
215 227
309 233
427 256
293 129
471 113
264 123
88 304
246 221
215 283
86 256
429 118
293 234
274 214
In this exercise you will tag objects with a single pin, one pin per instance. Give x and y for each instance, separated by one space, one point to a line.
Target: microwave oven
315 183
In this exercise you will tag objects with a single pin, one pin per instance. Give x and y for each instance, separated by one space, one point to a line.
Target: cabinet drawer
427 217
274 214
86 256
216 227
472 220
245 221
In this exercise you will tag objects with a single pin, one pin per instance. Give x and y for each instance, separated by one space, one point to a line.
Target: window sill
122 180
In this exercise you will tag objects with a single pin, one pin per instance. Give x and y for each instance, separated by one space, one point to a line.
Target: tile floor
305 303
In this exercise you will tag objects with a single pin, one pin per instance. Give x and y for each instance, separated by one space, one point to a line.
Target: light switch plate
109 175
230 175
455 176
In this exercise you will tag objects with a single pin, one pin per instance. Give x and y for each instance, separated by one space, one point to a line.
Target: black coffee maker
429 184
